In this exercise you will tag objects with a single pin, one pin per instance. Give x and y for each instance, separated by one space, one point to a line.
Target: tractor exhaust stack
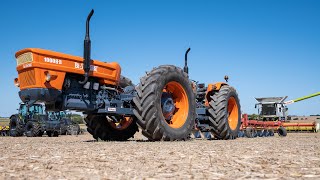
186 69
87 50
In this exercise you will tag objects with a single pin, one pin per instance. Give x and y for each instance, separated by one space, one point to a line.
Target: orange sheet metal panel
32 72
213 87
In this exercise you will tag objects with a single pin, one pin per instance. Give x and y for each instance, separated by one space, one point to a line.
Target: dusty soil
296 156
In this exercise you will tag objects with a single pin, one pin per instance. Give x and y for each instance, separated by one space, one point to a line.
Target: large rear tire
15 127
224 113
101 128
124 82
33 129
165 104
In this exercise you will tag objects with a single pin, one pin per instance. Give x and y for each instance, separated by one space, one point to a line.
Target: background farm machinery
34 121
272 117
29 120
4 131
302 126
61 121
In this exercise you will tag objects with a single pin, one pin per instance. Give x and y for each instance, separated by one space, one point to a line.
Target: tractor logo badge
80 66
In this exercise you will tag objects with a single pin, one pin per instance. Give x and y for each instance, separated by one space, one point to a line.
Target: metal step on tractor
165 104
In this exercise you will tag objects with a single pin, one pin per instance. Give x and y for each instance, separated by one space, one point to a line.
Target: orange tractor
165 104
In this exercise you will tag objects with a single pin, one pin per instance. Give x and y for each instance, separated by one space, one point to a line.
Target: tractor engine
92 95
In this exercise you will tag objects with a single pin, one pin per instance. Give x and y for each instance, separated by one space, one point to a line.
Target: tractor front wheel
104 128
33 129
15 127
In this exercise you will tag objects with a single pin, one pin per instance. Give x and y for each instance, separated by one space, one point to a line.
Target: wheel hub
167 105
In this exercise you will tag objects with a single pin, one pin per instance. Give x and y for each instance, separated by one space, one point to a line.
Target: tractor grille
27 78
24 58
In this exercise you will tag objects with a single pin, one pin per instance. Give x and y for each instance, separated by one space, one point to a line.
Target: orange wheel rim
122 124
177 97
233 113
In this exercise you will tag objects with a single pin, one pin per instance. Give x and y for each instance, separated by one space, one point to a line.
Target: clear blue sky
267 47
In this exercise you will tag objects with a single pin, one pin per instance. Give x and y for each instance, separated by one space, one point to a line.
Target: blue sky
266 47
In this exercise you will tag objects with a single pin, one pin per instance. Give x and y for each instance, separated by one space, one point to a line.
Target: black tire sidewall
185 83
233 94
29 128
100 128
13 120
49 133
282 132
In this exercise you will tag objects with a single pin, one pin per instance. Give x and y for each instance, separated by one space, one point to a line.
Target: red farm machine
272 117
165 104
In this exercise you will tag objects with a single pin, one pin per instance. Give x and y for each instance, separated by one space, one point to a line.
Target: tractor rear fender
212 88
15 115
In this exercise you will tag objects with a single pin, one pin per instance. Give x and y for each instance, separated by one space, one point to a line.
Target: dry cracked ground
296 156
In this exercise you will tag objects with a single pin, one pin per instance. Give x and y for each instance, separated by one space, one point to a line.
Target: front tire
100 128
165 104
15 127
224 113
49 133
33 129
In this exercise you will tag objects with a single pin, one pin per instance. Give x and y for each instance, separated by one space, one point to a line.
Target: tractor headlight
24 58
16 82
47 76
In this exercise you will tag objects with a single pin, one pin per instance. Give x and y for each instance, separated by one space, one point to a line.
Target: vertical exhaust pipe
186 69
87 50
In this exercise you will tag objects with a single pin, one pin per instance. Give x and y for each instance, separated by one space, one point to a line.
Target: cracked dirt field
296 156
